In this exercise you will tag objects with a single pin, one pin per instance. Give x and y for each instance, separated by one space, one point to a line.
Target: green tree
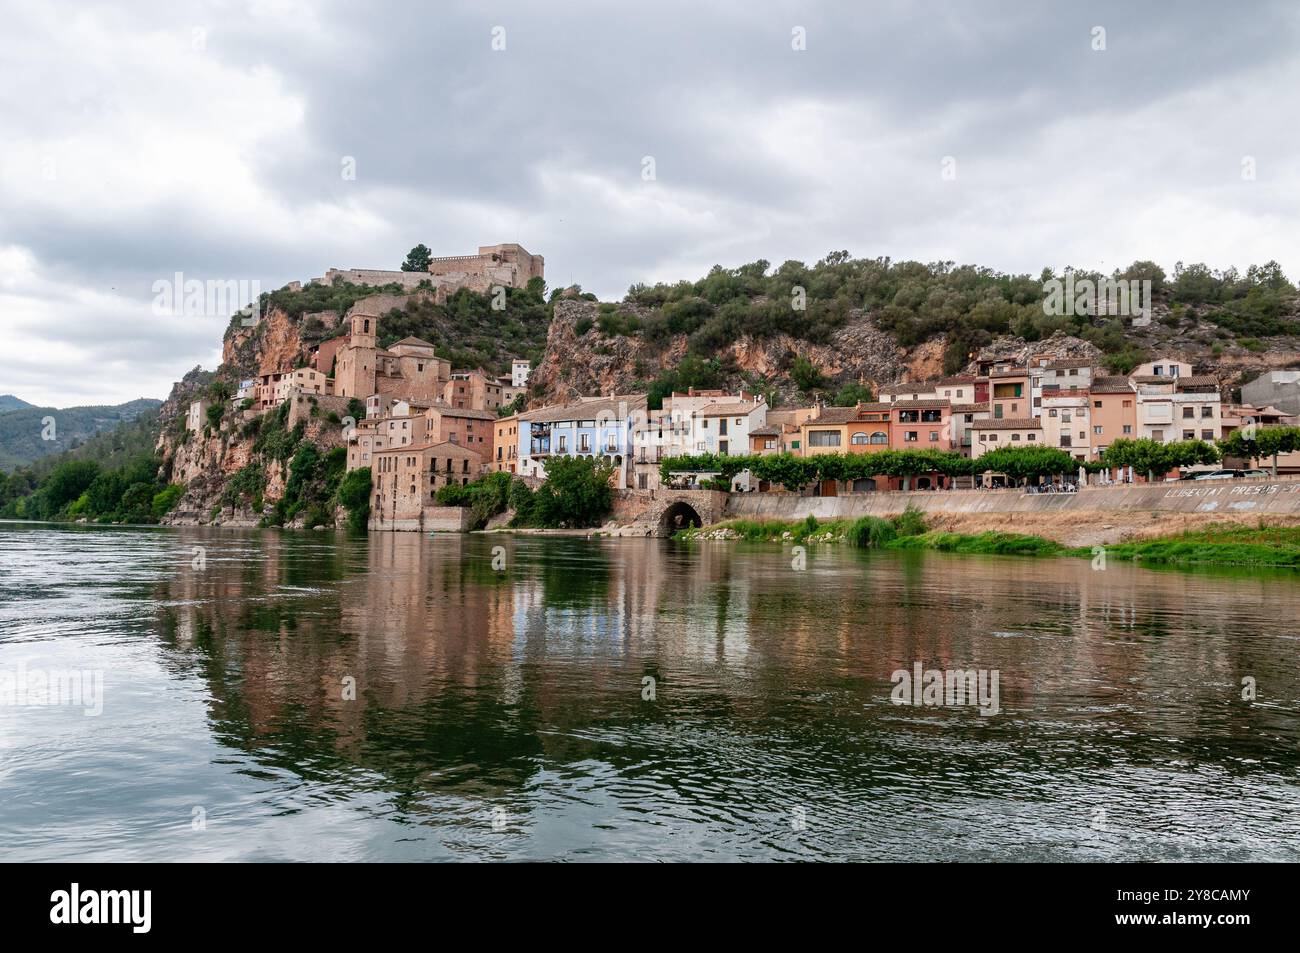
137 503
1026 463
68 481
417 259
577 492
1261 442
104 496
165 500
851 394
807 376
1152 457
354 496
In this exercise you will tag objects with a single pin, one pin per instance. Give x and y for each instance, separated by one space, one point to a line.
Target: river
631 699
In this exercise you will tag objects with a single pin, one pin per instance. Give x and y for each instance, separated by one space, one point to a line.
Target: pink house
921 425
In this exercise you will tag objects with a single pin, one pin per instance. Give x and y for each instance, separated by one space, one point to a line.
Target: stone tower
354 375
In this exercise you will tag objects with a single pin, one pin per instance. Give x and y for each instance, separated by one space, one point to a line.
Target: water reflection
1122 731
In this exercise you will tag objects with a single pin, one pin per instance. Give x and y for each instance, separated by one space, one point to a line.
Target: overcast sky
139 139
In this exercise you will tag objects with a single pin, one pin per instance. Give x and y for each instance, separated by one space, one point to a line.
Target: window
1097 431
1128 428
722 427
934 436
824 438
1097 404
1207 434
911 436
1189 413
858 439
1033 436
564 443
1015 436
993 438
584 443
1207 411
1127 403
1052 412
1189 434
879 437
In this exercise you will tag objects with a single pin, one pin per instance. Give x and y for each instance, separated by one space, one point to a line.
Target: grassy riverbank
1215 545
1226 545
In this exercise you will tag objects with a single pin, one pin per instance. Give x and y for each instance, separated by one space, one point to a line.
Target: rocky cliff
582 360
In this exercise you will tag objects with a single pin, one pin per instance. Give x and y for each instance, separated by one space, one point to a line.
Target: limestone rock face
596 363
1060 345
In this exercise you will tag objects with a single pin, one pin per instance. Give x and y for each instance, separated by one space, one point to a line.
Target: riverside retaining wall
441 519
1267 496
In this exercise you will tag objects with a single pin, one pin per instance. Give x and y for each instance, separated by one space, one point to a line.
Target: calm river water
505 714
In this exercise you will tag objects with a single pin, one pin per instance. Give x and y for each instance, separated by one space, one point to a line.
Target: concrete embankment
1091 516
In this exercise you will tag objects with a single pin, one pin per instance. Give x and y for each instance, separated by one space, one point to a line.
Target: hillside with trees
24 431
798 332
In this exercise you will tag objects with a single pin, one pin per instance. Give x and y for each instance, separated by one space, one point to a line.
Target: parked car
1217 475
1255 473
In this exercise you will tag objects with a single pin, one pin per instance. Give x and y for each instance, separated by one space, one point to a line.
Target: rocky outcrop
596 363
183 393
1059 346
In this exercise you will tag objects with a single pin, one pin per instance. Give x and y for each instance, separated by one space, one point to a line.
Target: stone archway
679 515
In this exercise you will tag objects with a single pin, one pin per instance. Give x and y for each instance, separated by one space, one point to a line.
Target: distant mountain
26 435
9 402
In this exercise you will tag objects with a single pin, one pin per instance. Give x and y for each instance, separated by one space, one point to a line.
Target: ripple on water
633 699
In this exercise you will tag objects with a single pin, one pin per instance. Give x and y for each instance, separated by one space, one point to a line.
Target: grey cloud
458 145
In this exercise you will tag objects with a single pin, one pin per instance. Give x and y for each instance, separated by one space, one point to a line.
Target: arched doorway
679 515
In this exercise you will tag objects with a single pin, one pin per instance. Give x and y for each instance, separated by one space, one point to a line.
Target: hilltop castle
508 264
